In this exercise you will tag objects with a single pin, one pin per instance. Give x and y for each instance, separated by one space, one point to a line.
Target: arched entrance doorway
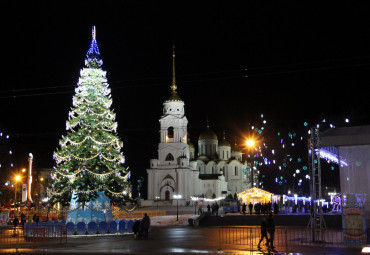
167 195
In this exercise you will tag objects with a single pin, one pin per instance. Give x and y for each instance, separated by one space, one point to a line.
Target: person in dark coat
263 233
250 206
135 229
15 222
216 208
244 208
145 224
23 219
271 231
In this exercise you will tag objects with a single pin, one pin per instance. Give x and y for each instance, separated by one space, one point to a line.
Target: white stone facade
215 171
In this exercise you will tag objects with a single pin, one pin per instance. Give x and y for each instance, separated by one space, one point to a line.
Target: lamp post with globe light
177 197
250 143
17 178
157 198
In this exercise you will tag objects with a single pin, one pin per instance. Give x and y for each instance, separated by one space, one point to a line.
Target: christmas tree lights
89 161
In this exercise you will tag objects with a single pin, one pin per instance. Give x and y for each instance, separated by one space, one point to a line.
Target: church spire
93 54
173 86
174 96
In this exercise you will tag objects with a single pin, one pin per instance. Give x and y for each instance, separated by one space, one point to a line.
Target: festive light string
61 158
90 114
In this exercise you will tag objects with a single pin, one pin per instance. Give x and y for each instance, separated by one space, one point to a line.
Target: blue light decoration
93 54
331 157
94 211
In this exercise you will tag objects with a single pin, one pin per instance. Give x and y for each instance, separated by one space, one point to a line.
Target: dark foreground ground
172 240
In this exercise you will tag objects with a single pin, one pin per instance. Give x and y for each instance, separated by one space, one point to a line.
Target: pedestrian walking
271 231
208 208
244 208
216 209
23 219
200 208
213 209
15 223
263 233
145 224
250 206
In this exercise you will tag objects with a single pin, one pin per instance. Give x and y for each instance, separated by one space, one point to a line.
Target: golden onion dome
224 143
174 97
208 134
236 149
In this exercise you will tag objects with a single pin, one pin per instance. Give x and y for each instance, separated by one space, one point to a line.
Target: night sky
292 62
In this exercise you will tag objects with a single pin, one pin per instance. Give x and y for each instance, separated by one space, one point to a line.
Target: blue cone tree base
100 210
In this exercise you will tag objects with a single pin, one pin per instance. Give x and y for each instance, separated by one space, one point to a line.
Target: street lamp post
177 197
250 144
157 199
17 179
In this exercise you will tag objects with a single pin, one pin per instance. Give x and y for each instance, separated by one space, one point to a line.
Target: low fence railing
32 236
285 238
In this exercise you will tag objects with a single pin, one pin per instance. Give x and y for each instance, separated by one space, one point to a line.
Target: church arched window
170 132
169 157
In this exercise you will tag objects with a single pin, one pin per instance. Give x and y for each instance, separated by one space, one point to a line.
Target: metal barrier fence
287 238
31 237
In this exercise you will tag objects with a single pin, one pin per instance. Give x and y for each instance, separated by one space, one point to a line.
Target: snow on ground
171 220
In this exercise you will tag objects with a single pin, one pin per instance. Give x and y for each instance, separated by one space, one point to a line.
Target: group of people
35 219
260 208
267 227
214 208
141 228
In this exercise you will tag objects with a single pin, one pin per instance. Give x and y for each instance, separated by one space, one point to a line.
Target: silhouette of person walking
263 233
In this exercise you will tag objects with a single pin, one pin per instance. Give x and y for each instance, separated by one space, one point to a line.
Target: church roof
174 97
209 176
224 142
208 134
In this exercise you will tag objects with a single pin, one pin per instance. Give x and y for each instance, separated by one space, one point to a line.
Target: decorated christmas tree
89 172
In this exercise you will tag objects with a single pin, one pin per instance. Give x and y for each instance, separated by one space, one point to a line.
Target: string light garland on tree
89 159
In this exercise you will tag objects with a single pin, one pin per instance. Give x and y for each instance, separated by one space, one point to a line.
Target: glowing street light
250 143
17 178
157 199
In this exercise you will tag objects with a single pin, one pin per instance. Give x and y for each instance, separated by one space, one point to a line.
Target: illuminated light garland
330 157
90 114
61 158
61 210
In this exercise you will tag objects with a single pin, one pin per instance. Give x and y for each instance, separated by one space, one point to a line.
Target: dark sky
303 62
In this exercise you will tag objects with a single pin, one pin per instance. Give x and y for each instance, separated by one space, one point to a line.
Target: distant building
352 148
215 171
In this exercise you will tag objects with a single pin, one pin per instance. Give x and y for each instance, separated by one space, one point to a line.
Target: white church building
214 170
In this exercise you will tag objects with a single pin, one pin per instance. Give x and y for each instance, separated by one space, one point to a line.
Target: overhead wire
253 71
